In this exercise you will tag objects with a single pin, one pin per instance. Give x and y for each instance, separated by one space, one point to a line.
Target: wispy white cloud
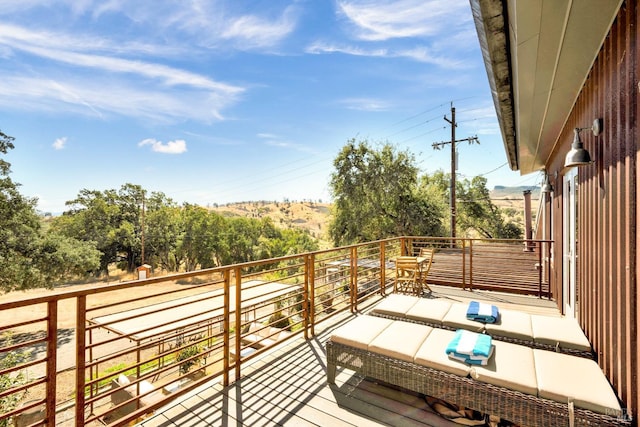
376 20
119 98
323 47
366 104
205 22
419 54
196 23
60 48
60 143
178 146
267 136
138 88
277 141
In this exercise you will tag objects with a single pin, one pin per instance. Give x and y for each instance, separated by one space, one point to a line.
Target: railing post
312 299
81 332
549 249
470 264
226 327
309 279
52 345
238 320
353 272
383 273
464 261
539 247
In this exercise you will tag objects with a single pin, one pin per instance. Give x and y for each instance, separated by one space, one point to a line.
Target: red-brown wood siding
607 207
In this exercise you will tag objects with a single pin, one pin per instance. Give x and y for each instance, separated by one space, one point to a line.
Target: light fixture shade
577 156
546 185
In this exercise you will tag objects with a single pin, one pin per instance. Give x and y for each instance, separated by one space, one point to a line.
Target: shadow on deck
288 386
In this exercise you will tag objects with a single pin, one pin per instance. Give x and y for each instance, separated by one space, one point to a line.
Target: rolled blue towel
482 312
471 360
471 344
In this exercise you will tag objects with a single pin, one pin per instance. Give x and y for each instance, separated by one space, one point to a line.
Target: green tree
61 258
162 238
200 241
113 221
92 217
19 230
477 216
476 211
376 196
29 257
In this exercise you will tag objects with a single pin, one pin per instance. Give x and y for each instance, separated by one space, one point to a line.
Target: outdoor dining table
421 262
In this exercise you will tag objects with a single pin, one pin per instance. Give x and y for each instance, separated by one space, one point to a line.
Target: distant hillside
511 201
500 191
310 216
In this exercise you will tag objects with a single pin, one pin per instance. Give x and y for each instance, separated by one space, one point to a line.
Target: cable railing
111 354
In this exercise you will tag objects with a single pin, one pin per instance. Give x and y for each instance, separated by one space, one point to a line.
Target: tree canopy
375 196
176 238
29 256
378 193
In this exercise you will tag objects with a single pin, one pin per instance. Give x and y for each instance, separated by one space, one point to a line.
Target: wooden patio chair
407 275
426 266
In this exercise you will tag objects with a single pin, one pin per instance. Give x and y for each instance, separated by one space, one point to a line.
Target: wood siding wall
607 207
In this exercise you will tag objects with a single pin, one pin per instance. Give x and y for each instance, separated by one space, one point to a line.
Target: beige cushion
401 340
146 386
456 318
429 310
562 376
360 331
432 353
511 366
512 324
396 305
563 331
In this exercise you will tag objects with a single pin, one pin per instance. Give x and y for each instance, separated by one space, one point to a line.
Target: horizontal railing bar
14 347
9 414
21 366
22 387
25 323
174 333
115 304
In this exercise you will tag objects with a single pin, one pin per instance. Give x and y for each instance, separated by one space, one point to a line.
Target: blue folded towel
482 312
470 347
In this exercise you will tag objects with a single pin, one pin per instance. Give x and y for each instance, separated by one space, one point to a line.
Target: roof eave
491 24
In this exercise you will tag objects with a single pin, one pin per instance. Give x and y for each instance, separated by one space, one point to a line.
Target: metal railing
110 354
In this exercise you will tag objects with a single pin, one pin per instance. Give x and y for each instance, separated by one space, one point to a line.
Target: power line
493 170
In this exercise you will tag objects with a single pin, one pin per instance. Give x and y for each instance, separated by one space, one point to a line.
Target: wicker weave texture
511 405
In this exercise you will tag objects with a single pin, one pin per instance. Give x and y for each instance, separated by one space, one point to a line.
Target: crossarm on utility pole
440 145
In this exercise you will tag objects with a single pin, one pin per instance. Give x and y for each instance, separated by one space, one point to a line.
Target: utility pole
438 146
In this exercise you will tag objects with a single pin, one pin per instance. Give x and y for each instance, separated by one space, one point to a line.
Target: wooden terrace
143 347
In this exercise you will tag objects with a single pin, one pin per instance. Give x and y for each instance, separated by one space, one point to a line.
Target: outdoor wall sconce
546 185
578 156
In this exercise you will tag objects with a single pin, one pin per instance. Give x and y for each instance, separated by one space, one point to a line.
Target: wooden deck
287 386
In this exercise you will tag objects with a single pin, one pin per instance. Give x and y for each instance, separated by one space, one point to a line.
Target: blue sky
222 101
